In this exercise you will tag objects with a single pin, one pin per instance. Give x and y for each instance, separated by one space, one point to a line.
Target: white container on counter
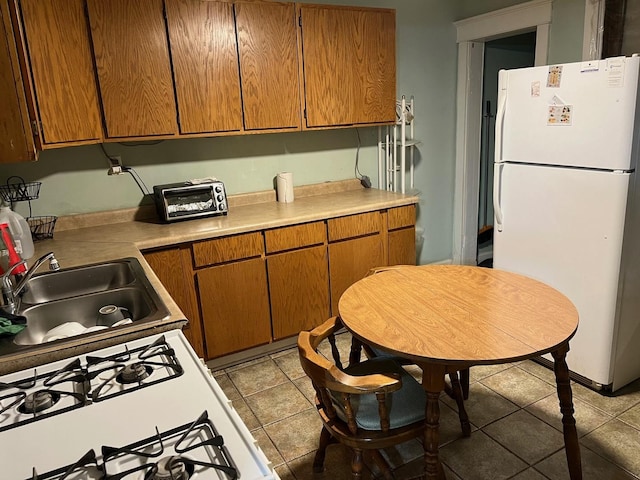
20 232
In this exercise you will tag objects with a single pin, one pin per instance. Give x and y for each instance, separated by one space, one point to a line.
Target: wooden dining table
447 318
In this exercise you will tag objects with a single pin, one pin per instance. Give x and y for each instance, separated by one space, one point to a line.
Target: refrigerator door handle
502 105
497 184
497 171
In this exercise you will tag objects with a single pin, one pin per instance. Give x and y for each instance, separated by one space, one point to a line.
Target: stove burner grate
86 468
132 369
172 467
33 398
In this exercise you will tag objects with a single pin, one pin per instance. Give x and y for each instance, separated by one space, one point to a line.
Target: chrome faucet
11 294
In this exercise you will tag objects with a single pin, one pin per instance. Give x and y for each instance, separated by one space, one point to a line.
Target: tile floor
516 427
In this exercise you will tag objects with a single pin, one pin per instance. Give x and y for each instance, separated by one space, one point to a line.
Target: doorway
516 51
473 34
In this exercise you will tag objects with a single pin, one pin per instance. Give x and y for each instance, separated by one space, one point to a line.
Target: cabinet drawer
227 249
354 226
401 217
297 236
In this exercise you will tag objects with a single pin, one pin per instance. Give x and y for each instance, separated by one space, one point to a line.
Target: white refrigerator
567 202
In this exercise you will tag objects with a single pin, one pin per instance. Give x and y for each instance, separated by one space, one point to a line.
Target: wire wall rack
17 190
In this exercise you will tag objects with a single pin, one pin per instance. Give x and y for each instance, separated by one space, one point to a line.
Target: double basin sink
77 294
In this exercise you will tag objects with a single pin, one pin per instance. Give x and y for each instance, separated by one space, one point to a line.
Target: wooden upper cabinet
16 143
267 44
59 50
134 70
205 64
349 65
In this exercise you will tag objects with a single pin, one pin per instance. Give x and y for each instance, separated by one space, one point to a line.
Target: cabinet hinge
36 127
300 21
305 113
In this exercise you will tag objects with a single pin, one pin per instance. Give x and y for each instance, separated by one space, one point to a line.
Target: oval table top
456 314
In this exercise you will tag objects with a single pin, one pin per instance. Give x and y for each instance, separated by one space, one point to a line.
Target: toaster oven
182 201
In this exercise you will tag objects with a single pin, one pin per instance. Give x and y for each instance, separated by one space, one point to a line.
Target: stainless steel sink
83 309
82 280
76 295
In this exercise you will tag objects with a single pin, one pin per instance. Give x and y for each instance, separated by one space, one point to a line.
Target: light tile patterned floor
516 427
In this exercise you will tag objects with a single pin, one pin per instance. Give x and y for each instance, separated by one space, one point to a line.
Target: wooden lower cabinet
351 260
173 268
263 286
401 225
402 247
299 290
234 299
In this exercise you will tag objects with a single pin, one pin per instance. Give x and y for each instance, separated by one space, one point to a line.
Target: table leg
571 445
433 383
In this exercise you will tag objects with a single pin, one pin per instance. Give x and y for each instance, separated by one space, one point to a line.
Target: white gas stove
144 410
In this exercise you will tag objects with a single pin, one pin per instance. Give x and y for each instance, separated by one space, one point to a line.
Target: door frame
472 33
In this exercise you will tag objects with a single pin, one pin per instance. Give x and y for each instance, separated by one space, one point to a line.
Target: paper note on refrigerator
559 114
615 71
554 76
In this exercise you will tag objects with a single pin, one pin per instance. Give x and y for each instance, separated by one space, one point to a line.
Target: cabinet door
134 71
173 267
351 260
268 65
62 69
299 290
15 131
401 223
235 306
349 65
402 247
205 65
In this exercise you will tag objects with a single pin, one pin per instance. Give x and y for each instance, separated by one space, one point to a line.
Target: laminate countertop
85 240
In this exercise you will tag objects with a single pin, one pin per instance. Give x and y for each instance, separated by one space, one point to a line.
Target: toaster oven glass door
190 202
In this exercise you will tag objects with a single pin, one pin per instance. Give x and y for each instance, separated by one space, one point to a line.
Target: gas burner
134 373
173 468
39 401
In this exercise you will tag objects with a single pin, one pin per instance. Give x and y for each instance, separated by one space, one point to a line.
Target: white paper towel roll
284 187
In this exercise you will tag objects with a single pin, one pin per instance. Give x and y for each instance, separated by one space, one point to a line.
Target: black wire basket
42 227
19 191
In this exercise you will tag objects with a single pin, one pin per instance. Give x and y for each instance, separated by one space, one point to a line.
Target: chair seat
405 406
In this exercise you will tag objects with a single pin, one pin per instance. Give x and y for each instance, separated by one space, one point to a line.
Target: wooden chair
367 406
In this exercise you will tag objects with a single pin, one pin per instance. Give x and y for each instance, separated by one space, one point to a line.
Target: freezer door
564 227
586 120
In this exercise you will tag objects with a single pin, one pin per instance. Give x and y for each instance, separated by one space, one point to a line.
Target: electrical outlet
115 165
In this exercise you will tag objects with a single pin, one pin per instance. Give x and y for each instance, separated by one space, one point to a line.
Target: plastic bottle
20 231
7 249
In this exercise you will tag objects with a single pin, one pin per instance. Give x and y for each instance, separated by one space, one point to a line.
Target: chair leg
325 440
382 464
464 382
458 397
357 464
